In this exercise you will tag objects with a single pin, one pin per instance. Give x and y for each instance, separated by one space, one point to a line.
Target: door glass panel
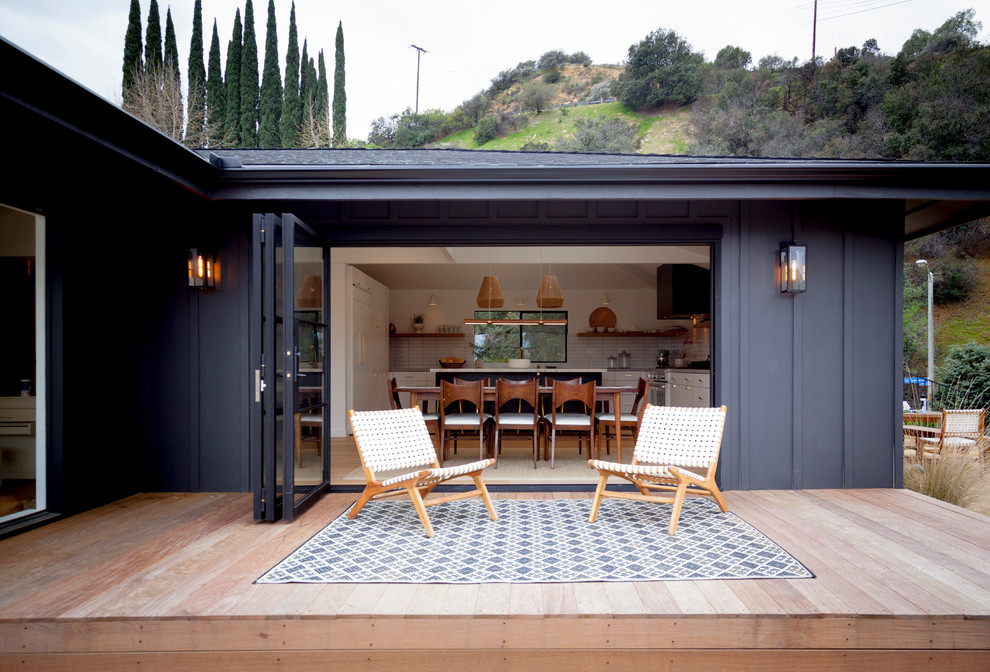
312 465
22 422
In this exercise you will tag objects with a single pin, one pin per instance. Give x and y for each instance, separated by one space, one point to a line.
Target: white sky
468 44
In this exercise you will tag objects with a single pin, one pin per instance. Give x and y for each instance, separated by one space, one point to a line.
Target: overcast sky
467 43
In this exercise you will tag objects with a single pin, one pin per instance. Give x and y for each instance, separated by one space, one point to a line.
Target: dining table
917 425
607 393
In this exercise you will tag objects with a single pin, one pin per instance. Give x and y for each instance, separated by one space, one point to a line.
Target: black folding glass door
290 460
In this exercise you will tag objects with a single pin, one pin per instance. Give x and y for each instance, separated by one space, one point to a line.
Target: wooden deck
164 582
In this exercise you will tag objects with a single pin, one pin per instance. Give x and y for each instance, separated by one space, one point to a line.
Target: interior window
536 342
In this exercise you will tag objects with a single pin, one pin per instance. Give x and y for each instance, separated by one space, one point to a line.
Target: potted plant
418 322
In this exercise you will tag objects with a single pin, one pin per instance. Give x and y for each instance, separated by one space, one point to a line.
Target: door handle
259 385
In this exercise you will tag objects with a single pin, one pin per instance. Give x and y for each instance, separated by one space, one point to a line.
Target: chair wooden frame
672 443
398 439
578 422
476 420
526 391
960 429
606 422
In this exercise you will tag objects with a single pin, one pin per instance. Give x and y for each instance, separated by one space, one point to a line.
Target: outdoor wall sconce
793 268
201 269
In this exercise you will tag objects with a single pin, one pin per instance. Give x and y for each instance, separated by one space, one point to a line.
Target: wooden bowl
451 365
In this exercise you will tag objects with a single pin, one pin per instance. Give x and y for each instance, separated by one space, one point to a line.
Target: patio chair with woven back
399 440
676 451
961 431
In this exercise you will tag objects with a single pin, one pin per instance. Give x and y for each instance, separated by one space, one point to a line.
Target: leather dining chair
576 421
462 409
516 409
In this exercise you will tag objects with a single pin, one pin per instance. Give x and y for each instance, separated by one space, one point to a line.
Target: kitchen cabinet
688 388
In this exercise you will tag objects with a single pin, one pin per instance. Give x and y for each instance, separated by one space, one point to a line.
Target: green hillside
660 132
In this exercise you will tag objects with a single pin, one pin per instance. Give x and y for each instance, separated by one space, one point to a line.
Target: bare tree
155 97
315 128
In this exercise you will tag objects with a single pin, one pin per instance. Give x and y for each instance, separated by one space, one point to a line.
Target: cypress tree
339 95
171 48
249 81
270 105
216 106
232 84
323 100
132 48
304 86
196 70
291 102
153 39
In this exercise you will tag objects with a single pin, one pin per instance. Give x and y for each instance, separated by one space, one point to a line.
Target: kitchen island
585 374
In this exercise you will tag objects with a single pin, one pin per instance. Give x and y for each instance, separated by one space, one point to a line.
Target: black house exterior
148 383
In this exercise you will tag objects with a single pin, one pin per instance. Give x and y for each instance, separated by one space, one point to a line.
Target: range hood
683 291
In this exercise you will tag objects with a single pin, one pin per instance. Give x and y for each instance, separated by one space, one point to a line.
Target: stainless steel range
658 387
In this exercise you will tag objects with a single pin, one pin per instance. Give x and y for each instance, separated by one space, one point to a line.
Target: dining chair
577 421
468 414
516 409
432 420
606 422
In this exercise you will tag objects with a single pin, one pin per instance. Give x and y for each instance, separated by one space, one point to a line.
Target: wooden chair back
393 395
564 392
526 391
472 392
393 439
680 436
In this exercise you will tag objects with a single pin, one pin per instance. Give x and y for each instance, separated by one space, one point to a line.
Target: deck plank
891 583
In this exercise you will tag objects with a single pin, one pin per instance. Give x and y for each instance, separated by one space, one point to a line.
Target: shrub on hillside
485 130
600 91
968 368
603 136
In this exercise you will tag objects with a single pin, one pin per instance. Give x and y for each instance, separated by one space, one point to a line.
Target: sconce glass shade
490 295
793 268
520 301
311 293
605 300
433 300
549 295
201 270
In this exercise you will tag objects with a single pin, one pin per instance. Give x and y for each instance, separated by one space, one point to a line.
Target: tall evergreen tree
323 99
232 85
249 81
305 89
339 95
171 48
196 71
132 48
270 104
291 102
153 39
216 106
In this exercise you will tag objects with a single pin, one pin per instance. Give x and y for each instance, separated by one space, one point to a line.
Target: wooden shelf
631 334
423 334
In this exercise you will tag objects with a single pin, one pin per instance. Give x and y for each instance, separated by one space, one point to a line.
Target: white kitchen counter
506 369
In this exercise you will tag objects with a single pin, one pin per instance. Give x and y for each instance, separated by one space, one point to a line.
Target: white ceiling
519 268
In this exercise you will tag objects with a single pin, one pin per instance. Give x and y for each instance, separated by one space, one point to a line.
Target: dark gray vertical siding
873 351
821 315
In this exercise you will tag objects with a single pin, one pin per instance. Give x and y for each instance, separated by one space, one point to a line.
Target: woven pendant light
549 295
490 295
311 293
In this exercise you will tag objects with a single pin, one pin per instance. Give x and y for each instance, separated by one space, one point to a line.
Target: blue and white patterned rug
536 541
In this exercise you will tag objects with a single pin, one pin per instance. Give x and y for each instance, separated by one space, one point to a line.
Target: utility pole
814 30
419 52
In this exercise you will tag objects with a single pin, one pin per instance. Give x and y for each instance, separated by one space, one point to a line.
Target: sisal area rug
536 541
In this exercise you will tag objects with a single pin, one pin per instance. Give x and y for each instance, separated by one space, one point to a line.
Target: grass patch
554 125
952 477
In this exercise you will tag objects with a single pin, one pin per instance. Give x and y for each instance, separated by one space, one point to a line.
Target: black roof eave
738 180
